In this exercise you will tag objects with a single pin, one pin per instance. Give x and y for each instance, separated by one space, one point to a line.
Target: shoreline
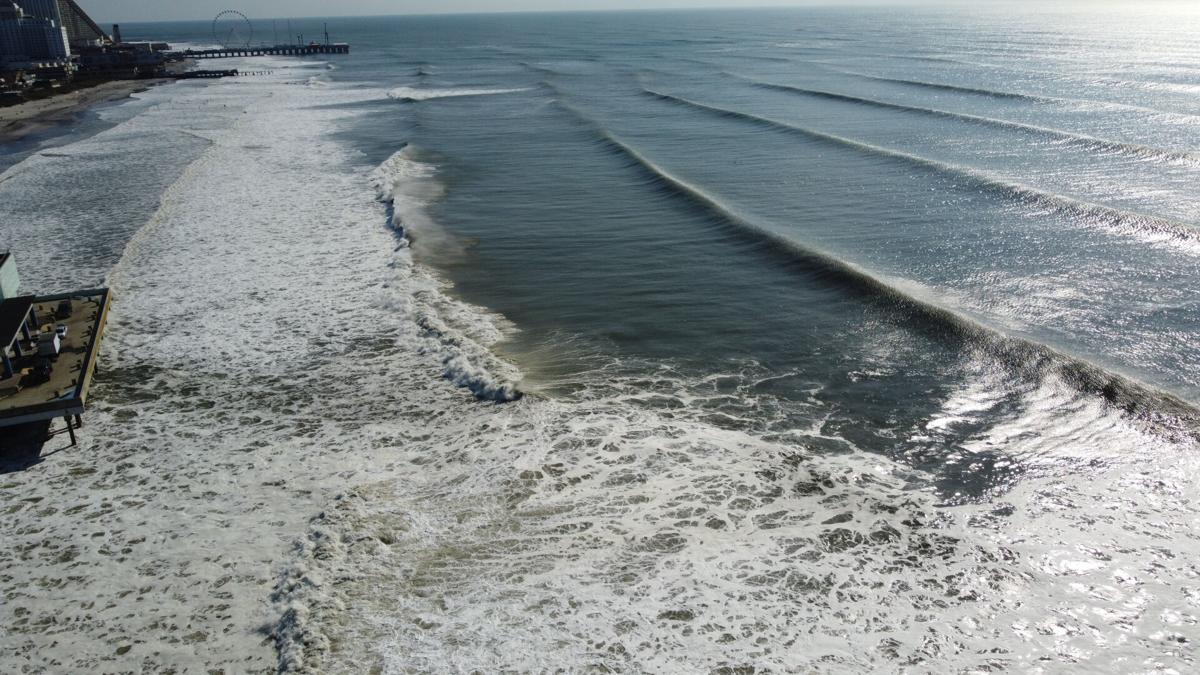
23 119
182 570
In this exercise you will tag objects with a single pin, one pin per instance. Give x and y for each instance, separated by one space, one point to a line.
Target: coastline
29 117
184 572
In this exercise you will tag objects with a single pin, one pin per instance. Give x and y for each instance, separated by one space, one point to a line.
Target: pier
277 50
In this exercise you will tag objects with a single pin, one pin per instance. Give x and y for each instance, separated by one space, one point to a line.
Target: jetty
277 50
49 346
205 74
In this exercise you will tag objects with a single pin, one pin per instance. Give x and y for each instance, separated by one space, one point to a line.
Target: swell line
1081 78
1183 118
941 86
1146 227
541 70
1080 140
1163 411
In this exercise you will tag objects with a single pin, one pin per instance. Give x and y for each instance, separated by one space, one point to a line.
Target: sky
107 11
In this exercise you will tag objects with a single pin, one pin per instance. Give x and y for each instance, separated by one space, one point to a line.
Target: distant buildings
32 35
81 30
123 61
51 41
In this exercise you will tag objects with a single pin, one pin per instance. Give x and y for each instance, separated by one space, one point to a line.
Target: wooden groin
205 74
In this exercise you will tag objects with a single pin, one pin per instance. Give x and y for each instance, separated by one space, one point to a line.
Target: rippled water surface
755 341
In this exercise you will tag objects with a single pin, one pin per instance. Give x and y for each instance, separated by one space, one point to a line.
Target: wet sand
26 118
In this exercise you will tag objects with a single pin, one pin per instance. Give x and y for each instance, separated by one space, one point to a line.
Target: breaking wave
598 538
541 70
457 334
1162 411
414 94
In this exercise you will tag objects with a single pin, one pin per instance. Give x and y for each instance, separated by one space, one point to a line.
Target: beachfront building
42 9
81 30
43 40
28 40
48 350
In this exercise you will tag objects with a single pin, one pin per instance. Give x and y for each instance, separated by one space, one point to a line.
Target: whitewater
527 356
263 277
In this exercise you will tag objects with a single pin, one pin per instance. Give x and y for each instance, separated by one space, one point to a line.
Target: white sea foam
581 536
423 94
460 336
269 346
102 185
409 187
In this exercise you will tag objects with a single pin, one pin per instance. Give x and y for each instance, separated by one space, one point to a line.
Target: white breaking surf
269 346
420 94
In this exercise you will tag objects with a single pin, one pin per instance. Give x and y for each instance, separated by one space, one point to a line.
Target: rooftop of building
32 394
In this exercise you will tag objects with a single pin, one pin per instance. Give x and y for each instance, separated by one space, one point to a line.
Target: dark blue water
959 245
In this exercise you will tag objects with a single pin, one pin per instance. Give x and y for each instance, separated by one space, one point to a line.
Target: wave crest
414 94
1154 229
458 334
1084 141
1160 411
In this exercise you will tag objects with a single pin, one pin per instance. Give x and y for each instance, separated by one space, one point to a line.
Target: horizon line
821 4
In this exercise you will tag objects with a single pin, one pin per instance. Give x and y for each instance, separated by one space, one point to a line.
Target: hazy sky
105 11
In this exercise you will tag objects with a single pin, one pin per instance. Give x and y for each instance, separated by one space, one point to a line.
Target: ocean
812 340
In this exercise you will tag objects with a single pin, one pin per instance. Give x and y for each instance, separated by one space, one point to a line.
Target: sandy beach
23 119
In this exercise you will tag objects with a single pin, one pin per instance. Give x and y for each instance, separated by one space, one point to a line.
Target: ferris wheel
232 30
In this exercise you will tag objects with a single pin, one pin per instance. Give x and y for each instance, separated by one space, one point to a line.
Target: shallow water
775 340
